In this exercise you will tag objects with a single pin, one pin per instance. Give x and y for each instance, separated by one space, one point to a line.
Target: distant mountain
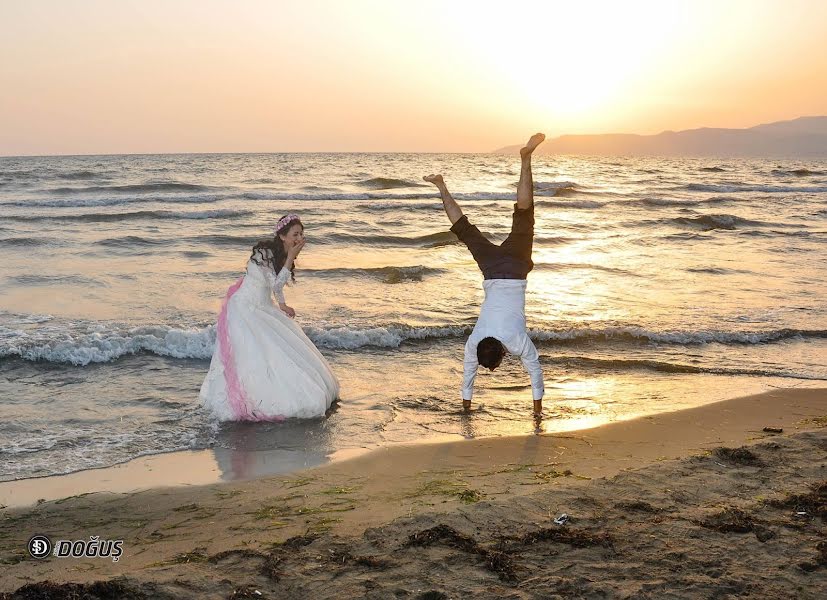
802 137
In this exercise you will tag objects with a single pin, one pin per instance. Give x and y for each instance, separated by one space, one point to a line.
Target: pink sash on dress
235 392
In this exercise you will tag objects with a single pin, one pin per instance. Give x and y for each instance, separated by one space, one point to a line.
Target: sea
659 284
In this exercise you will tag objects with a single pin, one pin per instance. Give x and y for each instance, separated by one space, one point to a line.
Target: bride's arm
278 290
284 275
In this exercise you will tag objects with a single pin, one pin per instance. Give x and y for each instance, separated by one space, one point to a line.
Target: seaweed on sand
282 551
809 504
115 589
729 520
738 456
497 562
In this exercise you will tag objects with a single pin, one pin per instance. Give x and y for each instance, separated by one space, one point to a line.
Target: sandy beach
699 503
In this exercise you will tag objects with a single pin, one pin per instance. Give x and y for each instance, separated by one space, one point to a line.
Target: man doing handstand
501 325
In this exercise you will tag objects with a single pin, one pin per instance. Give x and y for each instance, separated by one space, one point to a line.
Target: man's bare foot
532 143
466 406
435 179
538 408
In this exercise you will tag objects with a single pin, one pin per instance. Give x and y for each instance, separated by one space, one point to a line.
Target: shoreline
508 484
215 465
178 468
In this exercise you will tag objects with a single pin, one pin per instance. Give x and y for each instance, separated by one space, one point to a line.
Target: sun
559 61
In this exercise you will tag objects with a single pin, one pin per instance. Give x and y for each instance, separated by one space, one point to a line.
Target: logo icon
40 546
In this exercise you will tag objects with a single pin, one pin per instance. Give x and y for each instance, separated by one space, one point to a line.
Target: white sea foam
25 319
101 343
37 455
383 337
553 188
675 337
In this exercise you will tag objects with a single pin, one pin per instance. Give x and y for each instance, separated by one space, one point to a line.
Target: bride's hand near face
292 253
294 250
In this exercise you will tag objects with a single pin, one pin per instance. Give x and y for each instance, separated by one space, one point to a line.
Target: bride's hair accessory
284 222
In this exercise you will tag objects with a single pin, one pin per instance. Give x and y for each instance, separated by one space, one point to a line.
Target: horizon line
494 151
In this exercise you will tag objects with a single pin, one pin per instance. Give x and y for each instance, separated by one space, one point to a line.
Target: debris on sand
738 456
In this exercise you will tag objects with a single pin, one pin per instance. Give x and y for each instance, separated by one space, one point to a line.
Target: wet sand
696 503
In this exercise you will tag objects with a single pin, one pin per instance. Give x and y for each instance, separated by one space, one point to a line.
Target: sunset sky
94 77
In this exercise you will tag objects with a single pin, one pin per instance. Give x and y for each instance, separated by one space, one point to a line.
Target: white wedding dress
264 367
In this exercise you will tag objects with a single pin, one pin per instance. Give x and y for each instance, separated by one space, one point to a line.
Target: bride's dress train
264 367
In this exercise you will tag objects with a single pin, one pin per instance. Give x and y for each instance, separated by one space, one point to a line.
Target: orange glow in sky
89 77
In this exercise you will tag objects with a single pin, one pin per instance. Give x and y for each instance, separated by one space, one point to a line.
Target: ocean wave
139 188
718 271
132 241
582 267
555 188
734 188
570 203
104 343
81 344
21 319
382 337
109 343
667 367
439 238
314 188
772 233
25 241
386 199
380 196
679 202
217 213
71 449
78 175
683 236
21 174
386 206
115 201
553 240
33 279
430 240
217 239
709 222
712 169
797 172
332 196
388 183
639 334
385 274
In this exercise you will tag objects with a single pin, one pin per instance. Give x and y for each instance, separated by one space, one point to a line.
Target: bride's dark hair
277 256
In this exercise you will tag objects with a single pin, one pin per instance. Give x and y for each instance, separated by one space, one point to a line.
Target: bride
264 368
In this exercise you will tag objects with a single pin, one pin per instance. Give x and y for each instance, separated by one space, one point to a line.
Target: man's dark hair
490 352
